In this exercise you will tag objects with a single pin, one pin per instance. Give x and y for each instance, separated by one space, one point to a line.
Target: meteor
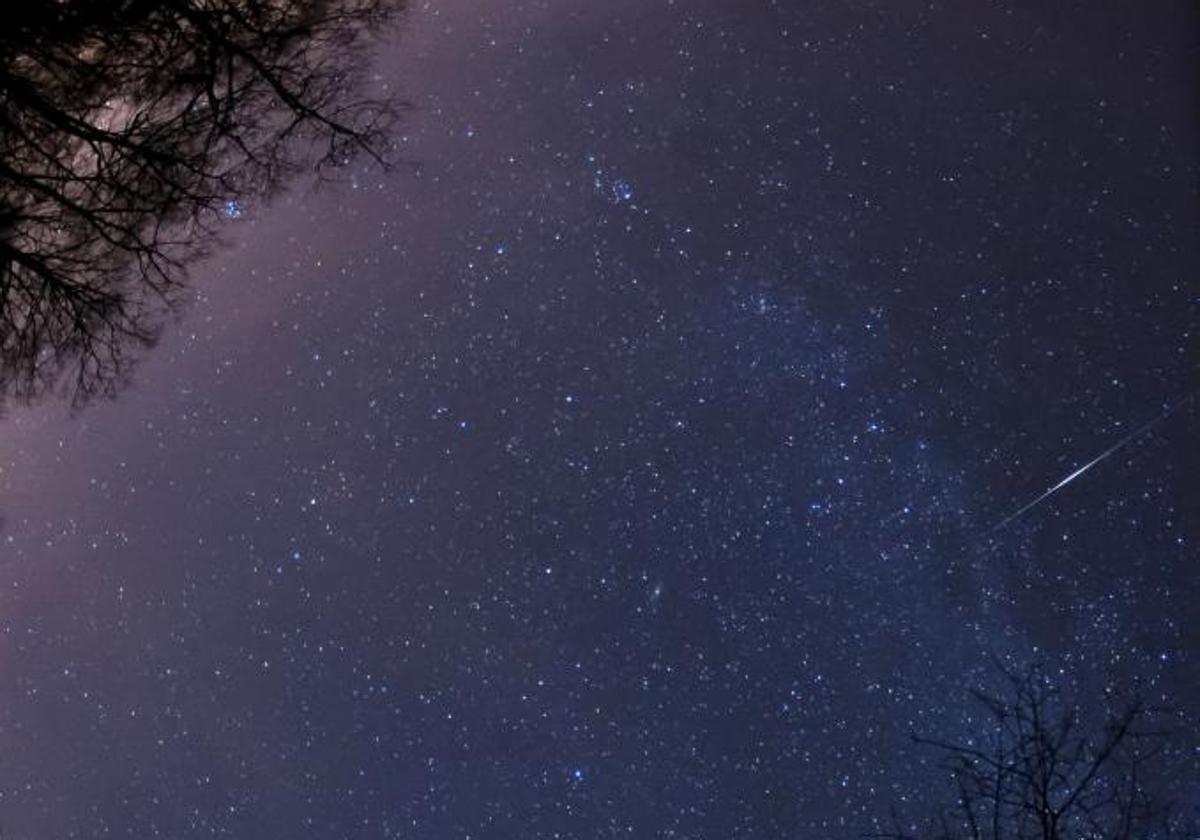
1112 450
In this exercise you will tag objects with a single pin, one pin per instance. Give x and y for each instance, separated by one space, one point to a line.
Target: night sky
627 466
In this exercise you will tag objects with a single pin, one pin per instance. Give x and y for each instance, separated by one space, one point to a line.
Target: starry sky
626 463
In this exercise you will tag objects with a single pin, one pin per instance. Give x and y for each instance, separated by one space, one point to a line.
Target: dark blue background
627 468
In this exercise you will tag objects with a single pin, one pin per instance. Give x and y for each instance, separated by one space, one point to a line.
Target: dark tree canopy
127 129
1041 768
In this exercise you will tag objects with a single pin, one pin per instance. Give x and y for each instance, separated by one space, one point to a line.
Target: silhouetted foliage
1038 771
128 129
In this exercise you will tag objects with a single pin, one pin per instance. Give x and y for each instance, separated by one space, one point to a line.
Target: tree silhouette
128 129
1040 773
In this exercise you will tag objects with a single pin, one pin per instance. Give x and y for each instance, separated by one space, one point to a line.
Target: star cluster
630 466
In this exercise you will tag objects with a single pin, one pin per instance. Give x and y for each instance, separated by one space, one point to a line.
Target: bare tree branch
128 130
1041 775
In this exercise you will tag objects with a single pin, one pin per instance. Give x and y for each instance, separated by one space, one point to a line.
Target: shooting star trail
1112 450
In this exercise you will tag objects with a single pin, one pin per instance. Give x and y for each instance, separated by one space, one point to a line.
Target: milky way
626 467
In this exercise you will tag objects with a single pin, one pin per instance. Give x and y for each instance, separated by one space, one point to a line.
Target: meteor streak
1116 447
